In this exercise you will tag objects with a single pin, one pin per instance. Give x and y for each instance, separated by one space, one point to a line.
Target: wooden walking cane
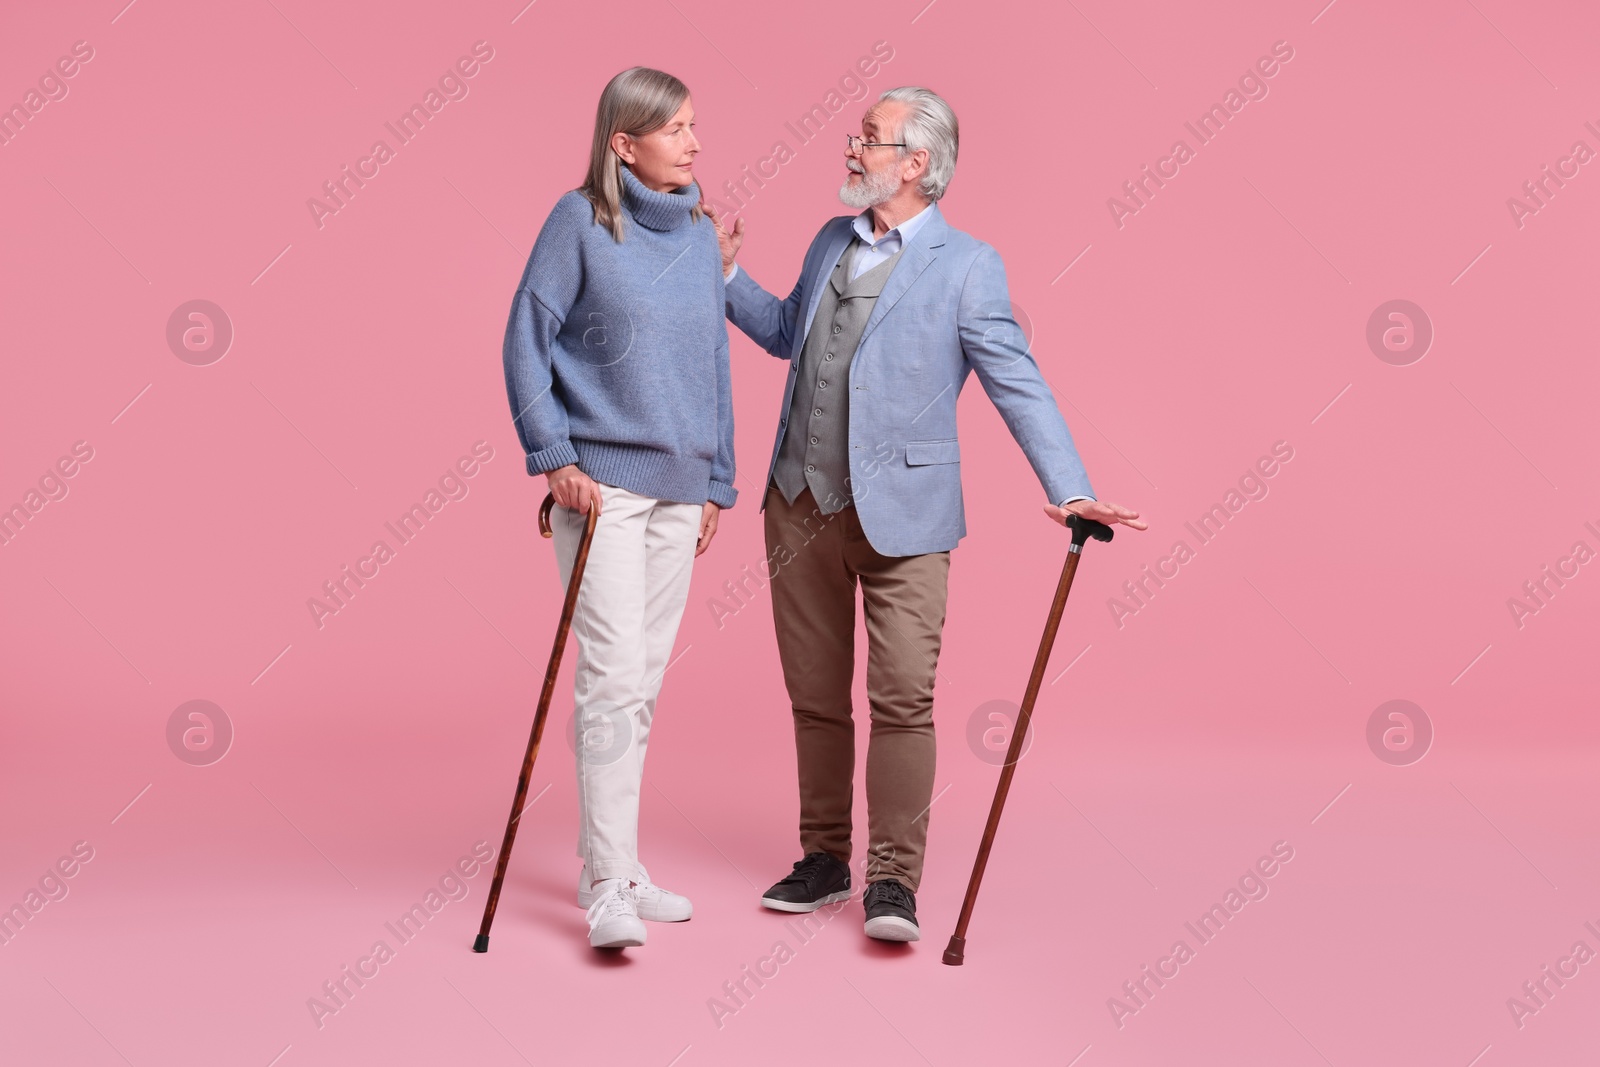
567 607
1082 530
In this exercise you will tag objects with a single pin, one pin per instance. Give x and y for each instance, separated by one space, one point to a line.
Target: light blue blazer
945 311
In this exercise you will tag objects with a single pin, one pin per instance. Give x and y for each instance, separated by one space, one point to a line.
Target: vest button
837 328
813 440
828 356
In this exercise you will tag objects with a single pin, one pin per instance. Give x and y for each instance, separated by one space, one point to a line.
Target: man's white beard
872 190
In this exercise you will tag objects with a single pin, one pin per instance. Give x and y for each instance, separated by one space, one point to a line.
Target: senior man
893 308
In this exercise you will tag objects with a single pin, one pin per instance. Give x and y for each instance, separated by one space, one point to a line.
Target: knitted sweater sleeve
549 287
721 492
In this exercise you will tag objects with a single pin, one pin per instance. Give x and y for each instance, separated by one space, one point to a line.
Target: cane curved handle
544 518
1083 529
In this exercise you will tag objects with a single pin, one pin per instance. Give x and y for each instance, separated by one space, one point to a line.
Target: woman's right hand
574 489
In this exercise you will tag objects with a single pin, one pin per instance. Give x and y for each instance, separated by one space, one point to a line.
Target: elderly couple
616 364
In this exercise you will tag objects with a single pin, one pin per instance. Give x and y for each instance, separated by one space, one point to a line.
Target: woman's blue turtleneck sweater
616 355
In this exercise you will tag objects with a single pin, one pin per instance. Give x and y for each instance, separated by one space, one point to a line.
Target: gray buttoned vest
816 441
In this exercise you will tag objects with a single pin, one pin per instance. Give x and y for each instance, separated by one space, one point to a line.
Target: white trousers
629 605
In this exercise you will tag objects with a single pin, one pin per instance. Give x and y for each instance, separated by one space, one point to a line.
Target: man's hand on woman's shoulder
729 242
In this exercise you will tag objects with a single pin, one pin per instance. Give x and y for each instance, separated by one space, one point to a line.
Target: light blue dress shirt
876 251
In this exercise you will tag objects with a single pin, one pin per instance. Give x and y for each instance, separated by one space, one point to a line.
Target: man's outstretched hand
728 242
1099 511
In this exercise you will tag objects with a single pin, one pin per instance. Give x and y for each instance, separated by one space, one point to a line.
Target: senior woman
616 365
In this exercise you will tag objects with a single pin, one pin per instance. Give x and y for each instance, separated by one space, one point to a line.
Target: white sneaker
655 904
614 916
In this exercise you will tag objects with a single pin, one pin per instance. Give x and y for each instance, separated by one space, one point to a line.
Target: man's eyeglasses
856 144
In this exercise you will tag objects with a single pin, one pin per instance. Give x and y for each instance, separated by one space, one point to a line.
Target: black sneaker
891 912
816 880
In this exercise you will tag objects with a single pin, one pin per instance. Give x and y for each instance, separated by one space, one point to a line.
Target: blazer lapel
919 254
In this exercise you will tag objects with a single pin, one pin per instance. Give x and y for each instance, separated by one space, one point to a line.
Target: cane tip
481 944
955 952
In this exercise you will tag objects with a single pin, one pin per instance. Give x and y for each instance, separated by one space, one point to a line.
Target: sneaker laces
648 889
613 901
891 891
643 887
809 868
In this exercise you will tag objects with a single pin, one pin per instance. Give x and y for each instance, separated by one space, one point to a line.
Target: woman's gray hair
637 101
929 123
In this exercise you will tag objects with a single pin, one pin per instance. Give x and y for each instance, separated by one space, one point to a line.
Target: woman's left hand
708 527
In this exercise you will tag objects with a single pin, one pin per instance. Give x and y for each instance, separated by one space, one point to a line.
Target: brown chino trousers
818 561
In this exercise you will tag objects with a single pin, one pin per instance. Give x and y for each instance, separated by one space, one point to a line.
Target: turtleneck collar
657 211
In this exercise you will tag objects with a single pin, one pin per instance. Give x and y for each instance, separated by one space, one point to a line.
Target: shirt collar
862 224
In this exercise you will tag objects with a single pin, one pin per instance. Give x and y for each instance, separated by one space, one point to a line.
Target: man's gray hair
929 123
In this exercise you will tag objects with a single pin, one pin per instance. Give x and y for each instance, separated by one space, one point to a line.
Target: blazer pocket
921 452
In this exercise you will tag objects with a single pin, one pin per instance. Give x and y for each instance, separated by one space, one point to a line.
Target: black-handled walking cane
567 607
1082 530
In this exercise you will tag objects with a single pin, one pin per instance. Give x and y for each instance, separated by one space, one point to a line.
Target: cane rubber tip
955 951
481 944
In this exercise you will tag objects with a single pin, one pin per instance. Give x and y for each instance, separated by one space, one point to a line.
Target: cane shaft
568 607
953 954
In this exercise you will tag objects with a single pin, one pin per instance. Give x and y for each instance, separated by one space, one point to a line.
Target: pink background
1229 713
